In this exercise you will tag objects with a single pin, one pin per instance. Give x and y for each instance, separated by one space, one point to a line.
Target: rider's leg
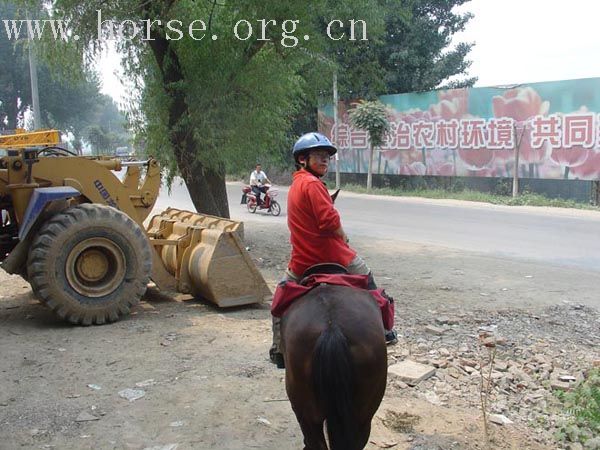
359 267
256 191
275 352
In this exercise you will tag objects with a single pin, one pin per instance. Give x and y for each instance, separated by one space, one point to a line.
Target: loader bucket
207 257
204 220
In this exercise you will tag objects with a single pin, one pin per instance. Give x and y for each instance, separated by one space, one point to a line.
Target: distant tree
99 140
207 106
14 78
370 116
410 51
415 53
66 102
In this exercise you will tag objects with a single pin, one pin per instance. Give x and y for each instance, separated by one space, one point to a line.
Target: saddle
323 268
329 273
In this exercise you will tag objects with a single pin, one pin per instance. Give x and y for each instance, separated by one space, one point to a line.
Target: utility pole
35 99
517 139
335 132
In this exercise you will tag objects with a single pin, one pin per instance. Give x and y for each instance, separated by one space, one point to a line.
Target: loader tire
90 264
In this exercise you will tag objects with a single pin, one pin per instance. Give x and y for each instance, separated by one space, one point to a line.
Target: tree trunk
12 114
206 185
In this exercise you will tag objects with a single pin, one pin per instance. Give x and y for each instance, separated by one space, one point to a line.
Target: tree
67 101
14 77
407 52
415 53
207 106
99 140
370 116
411 52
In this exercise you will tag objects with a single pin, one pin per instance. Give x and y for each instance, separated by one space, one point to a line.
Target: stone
400 384
263 421
518 374
445 352
445 320
432 398
567 378
435 330
132 394
560 385
454 372
85 416
422 346
499 419
468 369
411 372
467 362
438 363
501 366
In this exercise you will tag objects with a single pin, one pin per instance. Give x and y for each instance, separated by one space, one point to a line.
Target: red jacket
312 220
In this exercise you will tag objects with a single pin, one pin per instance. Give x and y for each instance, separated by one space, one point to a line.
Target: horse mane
333 378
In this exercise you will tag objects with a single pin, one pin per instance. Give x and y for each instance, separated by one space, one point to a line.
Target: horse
336 365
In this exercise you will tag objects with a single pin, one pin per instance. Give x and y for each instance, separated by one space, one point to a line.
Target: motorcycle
267 203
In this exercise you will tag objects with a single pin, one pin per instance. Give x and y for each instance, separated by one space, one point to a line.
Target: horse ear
334 195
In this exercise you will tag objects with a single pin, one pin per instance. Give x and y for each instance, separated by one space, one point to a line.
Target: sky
526 41
516 41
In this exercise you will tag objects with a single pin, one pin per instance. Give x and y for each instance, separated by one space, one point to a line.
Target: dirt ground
207 381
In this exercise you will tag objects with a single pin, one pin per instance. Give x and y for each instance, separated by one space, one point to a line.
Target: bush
583 407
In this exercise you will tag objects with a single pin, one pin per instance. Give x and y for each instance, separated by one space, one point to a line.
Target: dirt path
207 382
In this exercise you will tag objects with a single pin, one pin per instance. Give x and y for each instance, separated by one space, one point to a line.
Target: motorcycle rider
316 231
258 180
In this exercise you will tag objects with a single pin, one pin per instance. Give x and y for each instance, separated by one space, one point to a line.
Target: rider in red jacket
316 231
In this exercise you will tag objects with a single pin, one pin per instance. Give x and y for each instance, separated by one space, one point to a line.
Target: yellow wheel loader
75 232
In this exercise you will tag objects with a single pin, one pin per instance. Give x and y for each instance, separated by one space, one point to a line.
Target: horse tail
333 378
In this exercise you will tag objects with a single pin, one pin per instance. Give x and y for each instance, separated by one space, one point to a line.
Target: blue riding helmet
312 141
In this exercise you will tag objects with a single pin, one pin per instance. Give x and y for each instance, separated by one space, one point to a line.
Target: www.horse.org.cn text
284 31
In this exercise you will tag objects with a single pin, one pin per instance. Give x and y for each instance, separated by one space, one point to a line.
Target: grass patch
583 407
525 199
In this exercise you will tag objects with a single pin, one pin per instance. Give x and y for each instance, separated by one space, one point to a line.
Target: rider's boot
276 357
391 336
275 354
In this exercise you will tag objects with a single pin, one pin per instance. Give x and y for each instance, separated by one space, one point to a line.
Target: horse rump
333 378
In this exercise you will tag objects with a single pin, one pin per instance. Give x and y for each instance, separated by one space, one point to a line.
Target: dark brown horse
336 365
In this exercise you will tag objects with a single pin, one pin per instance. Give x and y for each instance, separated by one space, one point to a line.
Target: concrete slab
411 372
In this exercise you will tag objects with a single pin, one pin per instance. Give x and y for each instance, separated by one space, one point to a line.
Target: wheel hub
95 267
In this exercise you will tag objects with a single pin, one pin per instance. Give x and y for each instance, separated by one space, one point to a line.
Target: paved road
552 235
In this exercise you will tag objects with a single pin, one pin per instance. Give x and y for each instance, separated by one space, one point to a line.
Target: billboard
554 127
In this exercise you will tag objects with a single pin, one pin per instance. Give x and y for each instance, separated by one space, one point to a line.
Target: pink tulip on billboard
476 158
590 168
529 154
569 157
444 169
520 104
415 168
453 104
